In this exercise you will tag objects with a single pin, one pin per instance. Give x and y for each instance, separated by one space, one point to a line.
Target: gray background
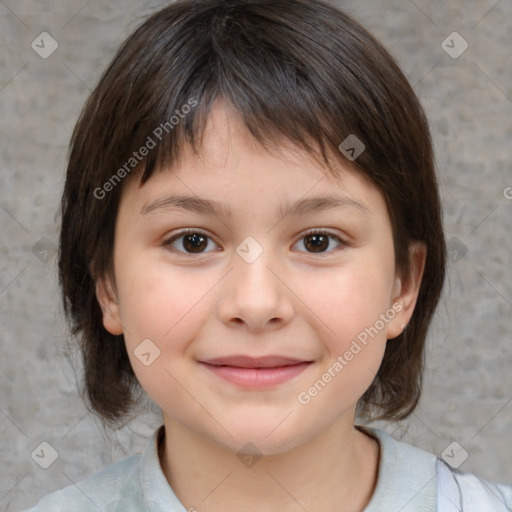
468 100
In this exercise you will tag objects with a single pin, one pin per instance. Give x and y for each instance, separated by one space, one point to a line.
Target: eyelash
169 241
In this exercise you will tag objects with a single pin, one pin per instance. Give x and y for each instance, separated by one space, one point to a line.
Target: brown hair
299 69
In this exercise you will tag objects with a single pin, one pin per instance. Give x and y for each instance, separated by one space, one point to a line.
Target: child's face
287 301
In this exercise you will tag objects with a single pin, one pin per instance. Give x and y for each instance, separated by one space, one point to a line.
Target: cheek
160 300
352 300
162 310
348 313
353 336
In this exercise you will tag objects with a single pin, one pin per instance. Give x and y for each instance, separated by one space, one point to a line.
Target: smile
256 373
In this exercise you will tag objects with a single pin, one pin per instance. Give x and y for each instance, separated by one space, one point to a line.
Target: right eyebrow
190 203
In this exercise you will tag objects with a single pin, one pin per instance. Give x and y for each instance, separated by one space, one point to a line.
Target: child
251 233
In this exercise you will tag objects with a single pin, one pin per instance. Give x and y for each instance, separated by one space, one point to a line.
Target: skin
289 301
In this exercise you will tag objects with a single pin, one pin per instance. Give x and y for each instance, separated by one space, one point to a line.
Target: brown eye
319 241
192 242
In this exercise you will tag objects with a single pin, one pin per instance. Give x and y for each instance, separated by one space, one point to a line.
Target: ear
109 306
405 294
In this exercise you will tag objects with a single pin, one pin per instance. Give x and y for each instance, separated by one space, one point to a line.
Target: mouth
256 372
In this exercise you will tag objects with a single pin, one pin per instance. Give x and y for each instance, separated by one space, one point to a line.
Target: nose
255 295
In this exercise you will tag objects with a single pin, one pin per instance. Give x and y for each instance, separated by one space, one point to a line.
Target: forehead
231 166
225 136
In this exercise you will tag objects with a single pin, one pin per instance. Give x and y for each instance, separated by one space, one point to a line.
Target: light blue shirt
408 481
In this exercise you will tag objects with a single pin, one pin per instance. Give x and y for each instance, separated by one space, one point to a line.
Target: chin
263 438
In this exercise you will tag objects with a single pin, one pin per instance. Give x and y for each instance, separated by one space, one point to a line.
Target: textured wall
468 99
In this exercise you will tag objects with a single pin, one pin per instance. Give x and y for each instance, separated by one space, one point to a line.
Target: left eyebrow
319 204
209 206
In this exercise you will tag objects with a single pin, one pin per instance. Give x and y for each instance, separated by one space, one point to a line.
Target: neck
336 470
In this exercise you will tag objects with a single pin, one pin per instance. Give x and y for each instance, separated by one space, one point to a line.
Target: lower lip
257 377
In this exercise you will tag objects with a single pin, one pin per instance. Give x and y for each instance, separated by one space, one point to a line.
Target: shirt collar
406 477
155 488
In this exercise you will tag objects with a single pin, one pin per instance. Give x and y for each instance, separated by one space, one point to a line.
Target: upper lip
242 361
